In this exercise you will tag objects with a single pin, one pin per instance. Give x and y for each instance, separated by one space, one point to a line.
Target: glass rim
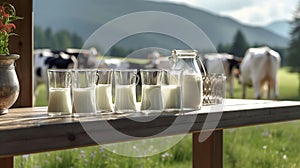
173 70
105 69
59 70
85 70
150 70
126 70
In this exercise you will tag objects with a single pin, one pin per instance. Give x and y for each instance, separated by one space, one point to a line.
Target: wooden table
30 130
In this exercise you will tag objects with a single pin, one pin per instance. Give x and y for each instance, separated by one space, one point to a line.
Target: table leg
7 162
208 154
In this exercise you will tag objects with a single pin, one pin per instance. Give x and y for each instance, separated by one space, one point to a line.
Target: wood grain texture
7 162
30 130
22 44
208 154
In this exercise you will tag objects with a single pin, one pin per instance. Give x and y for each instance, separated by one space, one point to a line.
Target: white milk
171 97
104 97
125 99
59 101
192 91
84 100
151 98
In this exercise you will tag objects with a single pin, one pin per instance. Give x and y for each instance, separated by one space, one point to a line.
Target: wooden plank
23 45
29 130
7 162
208 154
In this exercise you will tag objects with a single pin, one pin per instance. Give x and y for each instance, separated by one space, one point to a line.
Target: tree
119 51
64 40
240 45
293 57
77 41
39 37
48 38
58 41
223 48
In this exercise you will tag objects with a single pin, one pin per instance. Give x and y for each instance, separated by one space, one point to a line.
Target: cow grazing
259 69
230 67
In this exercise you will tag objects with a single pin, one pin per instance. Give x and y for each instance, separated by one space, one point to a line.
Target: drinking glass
104 90
219 88
83 89
214 88
59 92
172 90
151 91
125 90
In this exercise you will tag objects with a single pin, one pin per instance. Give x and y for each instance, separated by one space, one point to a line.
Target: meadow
270 145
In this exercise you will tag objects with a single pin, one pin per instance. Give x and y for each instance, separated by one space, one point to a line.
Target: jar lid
183 53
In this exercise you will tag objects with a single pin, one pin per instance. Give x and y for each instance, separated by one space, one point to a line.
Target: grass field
270 145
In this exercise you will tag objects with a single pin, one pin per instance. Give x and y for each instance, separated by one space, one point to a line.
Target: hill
84 17
281 28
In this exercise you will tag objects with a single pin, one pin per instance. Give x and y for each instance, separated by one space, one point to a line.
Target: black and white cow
45 59
231 66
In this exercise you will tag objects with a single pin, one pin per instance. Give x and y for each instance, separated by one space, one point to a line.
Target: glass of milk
83 91
172 90
104 90
125 90
59 81
151 91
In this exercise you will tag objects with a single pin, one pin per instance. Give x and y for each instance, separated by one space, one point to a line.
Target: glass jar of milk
192 85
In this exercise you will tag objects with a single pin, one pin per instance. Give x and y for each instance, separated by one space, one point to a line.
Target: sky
251 12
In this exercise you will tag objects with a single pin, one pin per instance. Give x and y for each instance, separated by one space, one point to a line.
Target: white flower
265 147
284 157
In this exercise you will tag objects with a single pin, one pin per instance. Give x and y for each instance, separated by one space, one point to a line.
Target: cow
259 69
65 59
230 67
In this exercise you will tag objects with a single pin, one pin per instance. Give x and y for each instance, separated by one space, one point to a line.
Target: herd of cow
258 68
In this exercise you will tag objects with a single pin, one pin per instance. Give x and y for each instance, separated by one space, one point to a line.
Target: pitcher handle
202 65
137 79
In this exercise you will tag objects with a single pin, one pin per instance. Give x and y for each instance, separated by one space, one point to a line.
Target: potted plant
9 83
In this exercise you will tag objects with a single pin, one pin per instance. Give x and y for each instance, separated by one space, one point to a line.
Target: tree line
293 58
240 45
59 40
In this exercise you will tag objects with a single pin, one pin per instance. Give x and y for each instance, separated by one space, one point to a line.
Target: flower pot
9 83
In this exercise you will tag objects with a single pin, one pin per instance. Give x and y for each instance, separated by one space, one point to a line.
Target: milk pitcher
192 84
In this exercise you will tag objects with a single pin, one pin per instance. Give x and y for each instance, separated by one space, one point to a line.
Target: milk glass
59 92
151 91
83 89
125 90
104 90
172 90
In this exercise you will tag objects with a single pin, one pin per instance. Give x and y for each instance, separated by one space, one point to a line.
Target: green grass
41 97
271 145
96 156
266 146
288 87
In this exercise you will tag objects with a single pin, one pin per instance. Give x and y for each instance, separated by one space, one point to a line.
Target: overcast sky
252 12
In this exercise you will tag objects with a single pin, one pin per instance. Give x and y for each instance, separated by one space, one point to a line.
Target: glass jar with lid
192 84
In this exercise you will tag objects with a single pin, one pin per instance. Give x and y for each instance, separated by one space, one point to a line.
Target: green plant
7 17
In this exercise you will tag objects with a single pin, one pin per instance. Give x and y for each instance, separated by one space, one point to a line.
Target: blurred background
233 26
